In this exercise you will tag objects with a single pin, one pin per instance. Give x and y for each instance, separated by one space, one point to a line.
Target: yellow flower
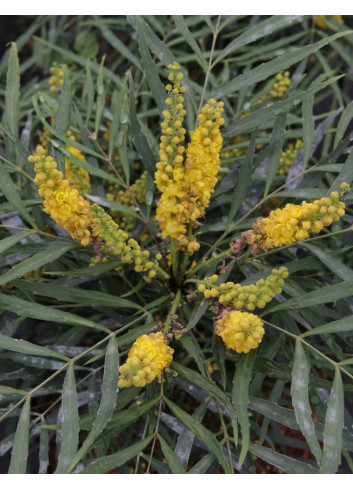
146 360
288 156
240 331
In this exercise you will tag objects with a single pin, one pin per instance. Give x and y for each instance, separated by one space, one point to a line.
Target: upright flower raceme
186 186
147 358
61 201
295 222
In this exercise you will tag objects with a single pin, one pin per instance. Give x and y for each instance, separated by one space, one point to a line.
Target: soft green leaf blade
43 450
300 399
308 127
23 346
343 325
88 91
62 116
11 193
35 262
154 82
336 266
108 400
334 423
37 311
5 390
330 293
345 175
110 462
12 91
274 66
19 452
200 431
240 396
70 424
277 141
119 46
100 101
173 462
8 242
343 123
283 462
257 31
111 204
189 38
203 465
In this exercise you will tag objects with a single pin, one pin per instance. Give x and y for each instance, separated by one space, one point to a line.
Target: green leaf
154 82
37 311
86 44
108 400
343 123
345 175
300 399
340 326
35 262
43 450
173 462
189 38
308 128
88 91
8 242
62 116
287 464
330 293
70 423
333 264
200 431
5 390
334 423
241 382
100 101
203 465
19 452
23 346
257 31
11 193
12 92
275 155
274 66
111 204
118 459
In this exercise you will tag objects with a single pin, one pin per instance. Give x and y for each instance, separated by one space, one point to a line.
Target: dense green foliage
70 313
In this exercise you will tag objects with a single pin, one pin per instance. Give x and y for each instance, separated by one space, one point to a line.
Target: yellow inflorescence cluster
295 222
147 358
118 242
56 80
186 187
281 85
245 296
241 331
288 156
77 176
138 190
320 20
61 201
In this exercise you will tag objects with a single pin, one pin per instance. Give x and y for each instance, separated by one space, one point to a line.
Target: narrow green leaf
203 465
200 431
111 462
173 462
345 175
5 390
100 101
330 293
275 155
343 325
70 423
35 262
11 193
37 311
119 46
12 91
43 450
111 204
300 399
23 346
19 452
189 38
334 423
62 116
154 82
287 464
241 382
88 91
308 128
108 400
333 264
8 242
274 66
343 123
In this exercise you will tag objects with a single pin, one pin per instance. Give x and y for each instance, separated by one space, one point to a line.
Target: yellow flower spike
62 202
147 358
240 331
288 156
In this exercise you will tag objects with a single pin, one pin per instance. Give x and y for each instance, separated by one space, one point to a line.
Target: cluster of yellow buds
62 202
281 85
124 197
319 20
118 242
240 331
77 176
295 222
56 80
186 188
245 296
288 156
147 358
